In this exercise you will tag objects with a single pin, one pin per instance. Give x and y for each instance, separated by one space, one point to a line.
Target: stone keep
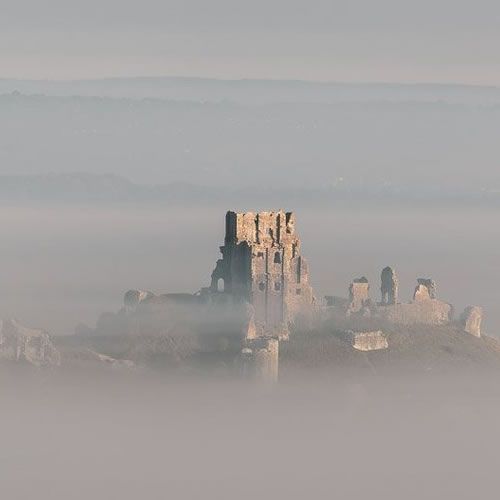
262 264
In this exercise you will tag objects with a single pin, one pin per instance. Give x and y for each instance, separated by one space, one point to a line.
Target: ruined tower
261 263
389 287
359 291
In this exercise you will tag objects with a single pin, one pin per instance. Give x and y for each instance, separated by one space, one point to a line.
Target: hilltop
417 349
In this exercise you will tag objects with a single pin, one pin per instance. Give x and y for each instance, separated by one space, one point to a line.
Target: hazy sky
347 40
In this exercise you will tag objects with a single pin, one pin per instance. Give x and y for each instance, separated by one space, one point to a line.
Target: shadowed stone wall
389 286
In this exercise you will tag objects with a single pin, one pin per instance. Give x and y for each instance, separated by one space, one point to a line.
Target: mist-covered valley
100 195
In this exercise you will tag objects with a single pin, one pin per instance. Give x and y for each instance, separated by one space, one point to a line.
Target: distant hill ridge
254 91
363 144
81 186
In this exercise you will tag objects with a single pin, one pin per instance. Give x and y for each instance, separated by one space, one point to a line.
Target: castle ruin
260 287
424 308
262 264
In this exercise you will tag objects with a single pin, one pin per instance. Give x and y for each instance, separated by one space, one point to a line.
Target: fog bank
382 438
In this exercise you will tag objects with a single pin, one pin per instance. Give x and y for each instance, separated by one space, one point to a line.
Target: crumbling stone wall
471 320
367 341
421 293
260 360
425 312
389 286
262 264
428 284
359 295
425 308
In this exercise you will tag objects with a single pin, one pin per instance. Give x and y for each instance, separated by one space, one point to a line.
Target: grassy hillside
420 349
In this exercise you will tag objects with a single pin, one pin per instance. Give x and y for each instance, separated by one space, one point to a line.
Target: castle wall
424 312
359 294
471 320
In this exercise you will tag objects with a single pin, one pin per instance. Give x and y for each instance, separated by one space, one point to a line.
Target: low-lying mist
372 437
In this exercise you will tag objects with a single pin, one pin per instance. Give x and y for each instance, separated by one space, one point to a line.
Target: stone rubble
367 341
32 346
